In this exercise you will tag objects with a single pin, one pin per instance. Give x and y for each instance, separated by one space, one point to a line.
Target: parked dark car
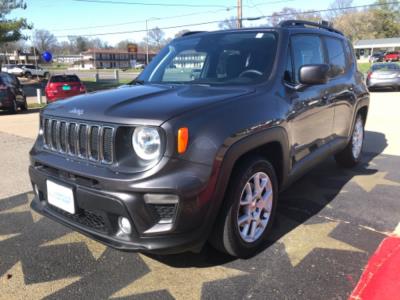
63 86
392 56
12 95
172 162
384 75
376 57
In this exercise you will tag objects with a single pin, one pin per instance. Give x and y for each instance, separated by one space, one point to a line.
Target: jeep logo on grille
77 111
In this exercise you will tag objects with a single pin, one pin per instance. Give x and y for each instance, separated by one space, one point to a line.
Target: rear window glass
385 67
65 78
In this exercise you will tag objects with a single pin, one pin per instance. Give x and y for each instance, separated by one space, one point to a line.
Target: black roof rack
322 24
192 32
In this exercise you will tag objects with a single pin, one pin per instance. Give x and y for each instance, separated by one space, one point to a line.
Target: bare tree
44 40
289 13
230 23
353 25
156 38
339 8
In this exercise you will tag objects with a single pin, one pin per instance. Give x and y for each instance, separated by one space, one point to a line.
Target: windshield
220 58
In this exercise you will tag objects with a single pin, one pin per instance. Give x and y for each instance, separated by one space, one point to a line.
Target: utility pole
239 13
147 43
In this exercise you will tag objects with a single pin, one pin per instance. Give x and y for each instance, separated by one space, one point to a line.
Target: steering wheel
251 71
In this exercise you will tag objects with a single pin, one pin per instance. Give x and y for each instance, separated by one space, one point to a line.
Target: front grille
165 212
86 218
86 141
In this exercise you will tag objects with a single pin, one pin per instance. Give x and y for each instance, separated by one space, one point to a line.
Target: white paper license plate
60 196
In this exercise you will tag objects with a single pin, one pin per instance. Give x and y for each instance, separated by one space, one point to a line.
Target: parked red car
63 86
392 56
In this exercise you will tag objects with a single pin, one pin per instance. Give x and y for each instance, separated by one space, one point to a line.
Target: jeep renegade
198 147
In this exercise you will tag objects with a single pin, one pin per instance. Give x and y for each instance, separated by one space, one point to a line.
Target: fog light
124 225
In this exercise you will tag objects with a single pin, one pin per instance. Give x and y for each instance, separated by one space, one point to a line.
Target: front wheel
28 75
350 156
246 217
14 107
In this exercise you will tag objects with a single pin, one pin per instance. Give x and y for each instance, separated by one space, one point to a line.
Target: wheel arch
265 143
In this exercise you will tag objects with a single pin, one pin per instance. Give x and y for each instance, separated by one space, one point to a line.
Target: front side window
219 58
307 49
336 56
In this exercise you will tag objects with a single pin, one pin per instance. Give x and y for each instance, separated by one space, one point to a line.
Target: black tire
24 106
346 158
14 107
28 75
46 75
226 235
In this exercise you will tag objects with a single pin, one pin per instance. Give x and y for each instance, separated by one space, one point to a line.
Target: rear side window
307 49
65 78
336 56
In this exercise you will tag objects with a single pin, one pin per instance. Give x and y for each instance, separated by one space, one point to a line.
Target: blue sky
69 17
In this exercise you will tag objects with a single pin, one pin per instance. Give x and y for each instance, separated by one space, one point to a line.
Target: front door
311 116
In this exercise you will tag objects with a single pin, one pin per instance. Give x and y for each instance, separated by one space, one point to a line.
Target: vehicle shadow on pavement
300 202
20 112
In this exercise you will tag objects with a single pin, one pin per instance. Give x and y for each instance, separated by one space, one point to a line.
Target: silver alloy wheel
255 207
357 138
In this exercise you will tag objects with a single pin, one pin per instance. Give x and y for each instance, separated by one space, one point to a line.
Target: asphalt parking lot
329 224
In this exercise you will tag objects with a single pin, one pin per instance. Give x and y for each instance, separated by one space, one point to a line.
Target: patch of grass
363 67
35 105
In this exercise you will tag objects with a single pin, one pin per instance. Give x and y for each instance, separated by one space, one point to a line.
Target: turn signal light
183 139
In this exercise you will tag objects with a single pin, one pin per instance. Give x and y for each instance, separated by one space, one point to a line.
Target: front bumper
99 205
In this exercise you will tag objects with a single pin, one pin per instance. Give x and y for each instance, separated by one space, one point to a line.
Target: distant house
68 59
365 48
20 57
111 59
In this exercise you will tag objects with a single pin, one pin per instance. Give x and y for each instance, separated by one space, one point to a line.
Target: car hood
142 104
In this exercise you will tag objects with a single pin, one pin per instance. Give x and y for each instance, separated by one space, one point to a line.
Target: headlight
146 142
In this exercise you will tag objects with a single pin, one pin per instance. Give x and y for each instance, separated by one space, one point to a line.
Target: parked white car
28 71
16 70
32 70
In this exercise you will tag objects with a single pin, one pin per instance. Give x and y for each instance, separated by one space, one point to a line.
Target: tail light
82 88
369 75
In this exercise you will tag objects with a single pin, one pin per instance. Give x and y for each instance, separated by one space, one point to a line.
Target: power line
243 19
149 3
228 8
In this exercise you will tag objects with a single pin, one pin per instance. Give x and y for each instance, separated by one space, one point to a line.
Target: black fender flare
229 155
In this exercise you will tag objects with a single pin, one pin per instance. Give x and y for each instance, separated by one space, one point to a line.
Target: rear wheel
28 75
350 156
246 217
46 75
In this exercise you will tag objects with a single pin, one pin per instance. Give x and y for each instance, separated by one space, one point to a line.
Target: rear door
341 84
311 118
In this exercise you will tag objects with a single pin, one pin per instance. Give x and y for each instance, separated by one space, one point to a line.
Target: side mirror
314 74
